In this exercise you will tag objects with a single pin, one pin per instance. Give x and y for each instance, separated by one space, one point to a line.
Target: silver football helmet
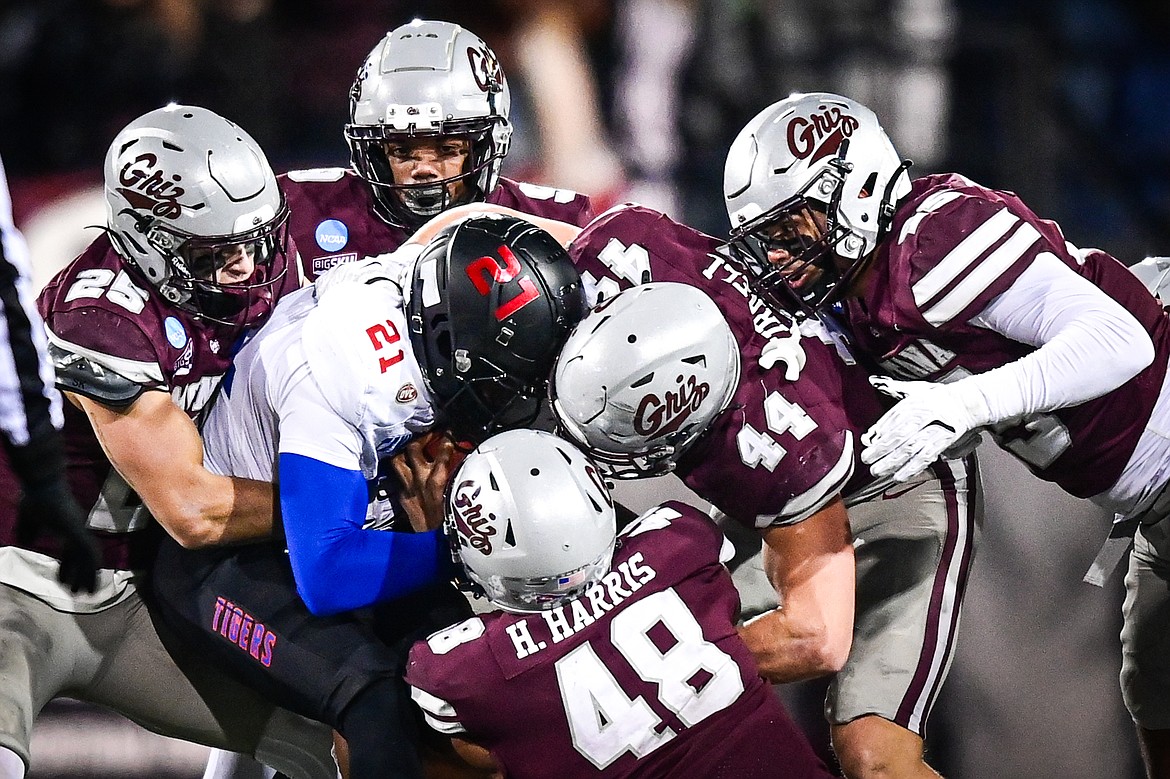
189 196
809 156
428 78
530 520
643 375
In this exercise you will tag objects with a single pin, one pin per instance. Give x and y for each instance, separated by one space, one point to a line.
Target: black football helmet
492 300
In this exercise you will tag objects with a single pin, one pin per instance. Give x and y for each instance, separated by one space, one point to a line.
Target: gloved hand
48 506
931 420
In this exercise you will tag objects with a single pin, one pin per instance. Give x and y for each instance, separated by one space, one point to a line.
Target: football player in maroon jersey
141 328
622 647
428 129
773 445
982 316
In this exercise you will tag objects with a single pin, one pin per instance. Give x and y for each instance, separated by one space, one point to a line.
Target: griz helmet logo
657 417
485 68
819 135
470 520
146 188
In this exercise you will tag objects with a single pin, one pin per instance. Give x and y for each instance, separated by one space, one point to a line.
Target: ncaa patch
332 235
176 333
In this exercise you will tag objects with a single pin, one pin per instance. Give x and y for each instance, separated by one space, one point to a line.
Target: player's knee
875 748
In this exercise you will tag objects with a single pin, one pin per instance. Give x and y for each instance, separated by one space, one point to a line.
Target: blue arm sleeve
337 565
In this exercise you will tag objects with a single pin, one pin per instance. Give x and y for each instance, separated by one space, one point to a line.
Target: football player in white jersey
986 318
459 338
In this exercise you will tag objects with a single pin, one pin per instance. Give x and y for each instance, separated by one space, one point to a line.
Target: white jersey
335 380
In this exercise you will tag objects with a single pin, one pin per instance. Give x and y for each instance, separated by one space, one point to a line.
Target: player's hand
49 507
423 468
929 421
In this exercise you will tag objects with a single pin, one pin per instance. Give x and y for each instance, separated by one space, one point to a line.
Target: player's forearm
207 509
789 647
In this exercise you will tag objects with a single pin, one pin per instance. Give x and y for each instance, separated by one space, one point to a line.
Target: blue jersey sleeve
337 565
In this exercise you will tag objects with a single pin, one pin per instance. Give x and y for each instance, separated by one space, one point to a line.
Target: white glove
383 266
930 420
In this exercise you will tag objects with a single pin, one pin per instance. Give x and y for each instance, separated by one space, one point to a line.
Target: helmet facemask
816 269
411 204
197 264
488 400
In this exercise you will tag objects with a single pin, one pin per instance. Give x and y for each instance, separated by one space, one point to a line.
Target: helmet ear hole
869 187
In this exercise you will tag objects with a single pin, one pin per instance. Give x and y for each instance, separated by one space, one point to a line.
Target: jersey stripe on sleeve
974 267
439 714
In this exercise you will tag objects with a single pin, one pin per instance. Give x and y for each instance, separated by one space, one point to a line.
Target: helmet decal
145 187
485 68
487 269
659 416
469 517
820 134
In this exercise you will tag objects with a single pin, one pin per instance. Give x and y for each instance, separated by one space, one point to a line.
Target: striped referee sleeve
30 406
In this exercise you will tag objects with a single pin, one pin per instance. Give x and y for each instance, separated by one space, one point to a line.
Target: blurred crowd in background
1066 102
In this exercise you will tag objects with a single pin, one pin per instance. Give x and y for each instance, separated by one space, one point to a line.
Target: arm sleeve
338 566
1087 343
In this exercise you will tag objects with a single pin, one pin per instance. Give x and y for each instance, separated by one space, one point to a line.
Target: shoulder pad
81 375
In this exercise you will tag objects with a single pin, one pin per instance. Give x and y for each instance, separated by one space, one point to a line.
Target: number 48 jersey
642 676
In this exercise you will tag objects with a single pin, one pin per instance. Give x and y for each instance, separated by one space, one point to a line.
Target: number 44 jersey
642 676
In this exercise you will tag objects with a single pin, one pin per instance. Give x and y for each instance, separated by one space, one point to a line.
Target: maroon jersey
785 448
642 676
952 248
333 218
100 308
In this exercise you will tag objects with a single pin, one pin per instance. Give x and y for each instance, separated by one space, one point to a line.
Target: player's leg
914 551
872 746
42 652
241 608
1145 645
152 678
